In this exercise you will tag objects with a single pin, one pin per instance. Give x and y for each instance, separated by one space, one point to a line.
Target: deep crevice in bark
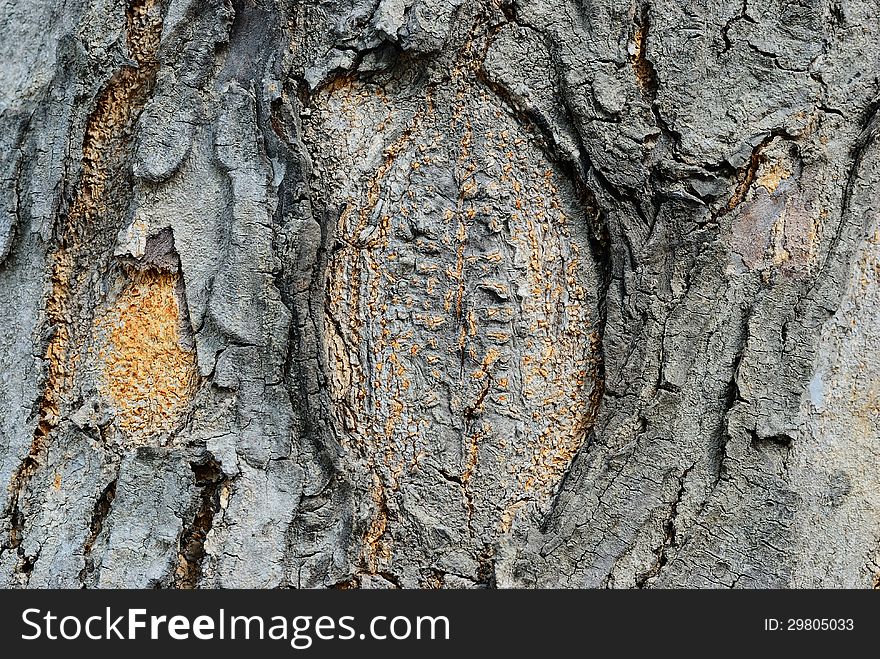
209 479
101 511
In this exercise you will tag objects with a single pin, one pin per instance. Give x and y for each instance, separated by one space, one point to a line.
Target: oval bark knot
461 315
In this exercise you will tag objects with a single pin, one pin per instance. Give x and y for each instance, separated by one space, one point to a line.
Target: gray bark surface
433 293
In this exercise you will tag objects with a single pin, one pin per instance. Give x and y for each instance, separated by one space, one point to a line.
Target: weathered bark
433 293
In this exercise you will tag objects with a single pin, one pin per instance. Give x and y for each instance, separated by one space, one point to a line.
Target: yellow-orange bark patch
147 376
770 177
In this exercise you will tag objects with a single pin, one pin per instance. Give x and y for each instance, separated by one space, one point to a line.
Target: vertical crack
99 515
669 534
725 29
747 176
646 74
191 545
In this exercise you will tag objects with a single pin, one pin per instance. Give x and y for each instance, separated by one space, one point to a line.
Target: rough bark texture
434 293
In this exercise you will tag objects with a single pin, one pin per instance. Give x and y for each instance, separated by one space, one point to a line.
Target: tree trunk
434 293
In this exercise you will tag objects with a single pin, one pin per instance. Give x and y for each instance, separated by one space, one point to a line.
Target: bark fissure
209 478
103 506
670 532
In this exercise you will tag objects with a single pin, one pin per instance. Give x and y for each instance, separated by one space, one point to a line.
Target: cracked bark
394 294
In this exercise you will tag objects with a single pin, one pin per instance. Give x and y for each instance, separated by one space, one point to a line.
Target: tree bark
433 293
